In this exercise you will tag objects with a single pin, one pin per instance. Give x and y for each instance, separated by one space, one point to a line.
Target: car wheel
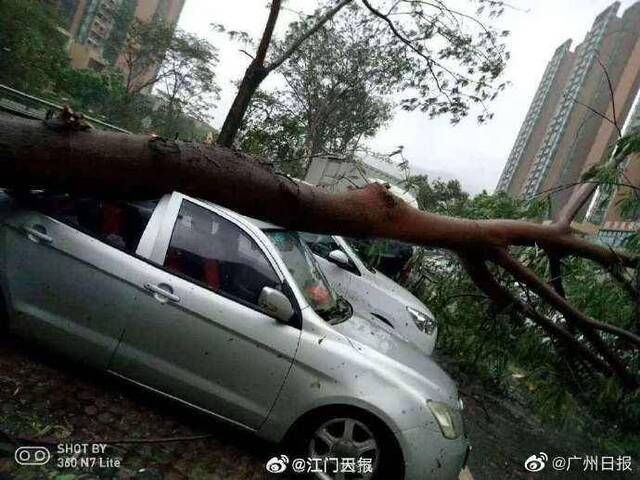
362 449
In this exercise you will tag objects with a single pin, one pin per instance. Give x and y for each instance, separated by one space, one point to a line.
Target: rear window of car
115 222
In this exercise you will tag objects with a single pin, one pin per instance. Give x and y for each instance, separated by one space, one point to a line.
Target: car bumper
425 342
430 456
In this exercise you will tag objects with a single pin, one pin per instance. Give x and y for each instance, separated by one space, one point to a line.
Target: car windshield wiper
339 313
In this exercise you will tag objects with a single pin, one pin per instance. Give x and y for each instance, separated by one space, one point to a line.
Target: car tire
349 434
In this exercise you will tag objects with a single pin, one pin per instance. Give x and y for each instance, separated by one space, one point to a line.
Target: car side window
216 253
321 245
117 223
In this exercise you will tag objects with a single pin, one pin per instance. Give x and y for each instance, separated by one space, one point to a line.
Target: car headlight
446 418
424 322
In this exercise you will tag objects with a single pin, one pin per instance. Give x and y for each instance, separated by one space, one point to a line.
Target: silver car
369 290
230 316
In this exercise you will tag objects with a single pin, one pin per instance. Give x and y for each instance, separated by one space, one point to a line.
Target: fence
15 102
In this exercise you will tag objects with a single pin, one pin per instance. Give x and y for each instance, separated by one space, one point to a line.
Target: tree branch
300 40
408 43
555 268
612 95
482 277
571 313
265 41
618 274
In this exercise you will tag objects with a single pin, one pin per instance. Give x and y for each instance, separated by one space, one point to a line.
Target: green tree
103 95
180 66
452 60
32 46
122 21
273 132
339 83
144 50
439 196
334 95
186 83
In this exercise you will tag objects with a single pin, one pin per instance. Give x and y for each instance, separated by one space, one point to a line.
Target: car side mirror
339 258
276 304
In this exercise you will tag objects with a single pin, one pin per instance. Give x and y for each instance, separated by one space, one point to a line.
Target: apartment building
610 209
97 28
538 117
564 132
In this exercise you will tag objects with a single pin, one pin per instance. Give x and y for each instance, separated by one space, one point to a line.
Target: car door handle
162 292
37 234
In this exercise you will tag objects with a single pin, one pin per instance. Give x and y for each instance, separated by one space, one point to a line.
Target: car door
69 264
206 341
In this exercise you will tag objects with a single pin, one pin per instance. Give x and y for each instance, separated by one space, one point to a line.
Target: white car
371 291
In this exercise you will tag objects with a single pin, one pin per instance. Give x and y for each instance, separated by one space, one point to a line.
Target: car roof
261 224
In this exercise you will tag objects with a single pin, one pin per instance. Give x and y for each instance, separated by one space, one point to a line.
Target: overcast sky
472 153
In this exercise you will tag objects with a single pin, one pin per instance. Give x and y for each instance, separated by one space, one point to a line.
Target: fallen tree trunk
64 155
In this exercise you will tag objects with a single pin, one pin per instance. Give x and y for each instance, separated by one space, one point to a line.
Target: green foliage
628 147
338 83
102 95
632 244
446 198
145 46
614 182
629 144
629 205
443 60
334 96
118 36
186 85
32 47
504 350
33 59
500 205
270 131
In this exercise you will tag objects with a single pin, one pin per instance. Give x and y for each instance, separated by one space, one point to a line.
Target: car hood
401 356
401 293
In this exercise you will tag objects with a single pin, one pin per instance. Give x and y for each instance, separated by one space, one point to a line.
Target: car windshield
308 276
322 245
358 249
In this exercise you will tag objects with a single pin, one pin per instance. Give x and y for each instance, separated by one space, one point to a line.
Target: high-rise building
538 117
610 209
97 28
565 132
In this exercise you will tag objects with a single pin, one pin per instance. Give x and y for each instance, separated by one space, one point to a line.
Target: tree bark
253 77
35 155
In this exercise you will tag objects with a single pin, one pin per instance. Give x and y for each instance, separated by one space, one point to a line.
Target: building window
614 238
